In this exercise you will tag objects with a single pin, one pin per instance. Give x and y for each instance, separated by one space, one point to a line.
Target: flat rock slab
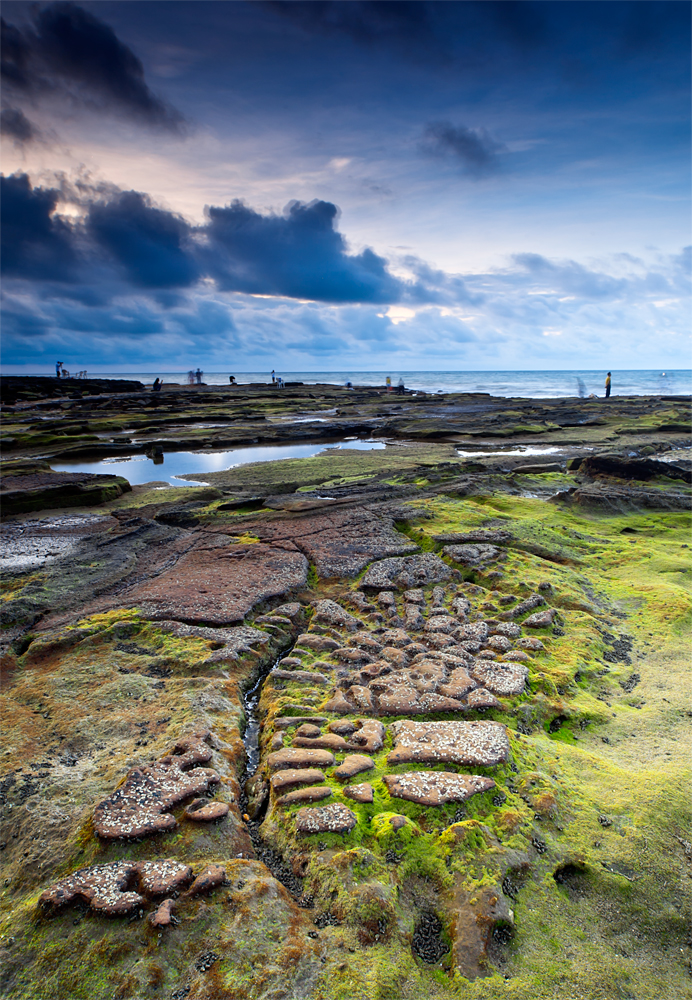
434 788
140 806
204 811
501 678
312 794
299 758
220 583
105 887
289 778
409 572
360 793
335 818
469 743
354 763
45 490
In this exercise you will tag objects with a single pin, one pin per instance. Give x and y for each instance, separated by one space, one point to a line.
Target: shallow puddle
173 464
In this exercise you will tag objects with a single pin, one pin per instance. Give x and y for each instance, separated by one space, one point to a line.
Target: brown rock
541 619
509 629
285 722
402 701
534 601
308 729
535 645
300 677
299 758
209 878
415 597
487 535
351 765
346 654
289 662
284 781
473 632
360 793
335 818
325 741
478 554
360 698
369 737
343 727
204 811
398 822
500 678
515 656
218 583
396 637
460 683
338 704
140 806
480 698
434 788
487 654
413 619
104 886
499 643
395 656
478 913
366 641
163 916
330 613
305 795
466 743
321 643
406 573
440 623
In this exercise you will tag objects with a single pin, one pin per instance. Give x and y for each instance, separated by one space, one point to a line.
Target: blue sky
369 185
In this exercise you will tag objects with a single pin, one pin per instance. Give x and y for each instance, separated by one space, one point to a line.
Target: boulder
209 878
330 613
472 555
313 794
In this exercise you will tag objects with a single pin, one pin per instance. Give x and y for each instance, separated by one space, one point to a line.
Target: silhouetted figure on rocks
400 388
156 387
198 376
607 385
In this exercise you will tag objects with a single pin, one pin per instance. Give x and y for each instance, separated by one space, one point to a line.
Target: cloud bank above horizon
179 189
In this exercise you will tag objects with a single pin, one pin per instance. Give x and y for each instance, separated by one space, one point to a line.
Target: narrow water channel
272 859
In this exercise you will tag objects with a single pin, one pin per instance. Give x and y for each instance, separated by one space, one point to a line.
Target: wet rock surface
411 840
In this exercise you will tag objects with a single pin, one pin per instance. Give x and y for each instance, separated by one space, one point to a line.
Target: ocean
535 384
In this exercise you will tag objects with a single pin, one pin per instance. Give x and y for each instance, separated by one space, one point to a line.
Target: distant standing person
198 376
58 366
273 377
190 378
388 383
607 385
400 388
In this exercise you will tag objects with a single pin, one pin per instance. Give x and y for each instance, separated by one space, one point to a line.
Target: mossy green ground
597 786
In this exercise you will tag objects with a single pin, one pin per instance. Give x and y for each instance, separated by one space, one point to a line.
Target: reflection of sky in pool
140 469
521 450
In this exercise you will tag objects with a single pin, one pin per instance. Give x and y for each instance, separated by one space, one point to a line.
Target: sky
309 186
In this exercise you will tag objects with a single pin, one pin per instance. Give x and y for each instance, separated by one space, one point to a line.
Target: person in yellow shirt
607 385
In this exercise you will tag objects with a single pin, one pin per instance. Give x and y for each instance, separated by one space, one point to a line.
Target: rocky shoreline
470 683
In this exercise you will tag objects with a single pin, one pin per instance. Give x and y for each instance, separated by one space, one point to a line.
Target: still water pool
173 464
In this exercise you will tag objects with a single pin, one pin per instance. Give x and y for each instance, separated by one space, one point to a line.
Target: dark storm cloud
15 125
123 237
148 243
298 254
35 245
474 149
68 49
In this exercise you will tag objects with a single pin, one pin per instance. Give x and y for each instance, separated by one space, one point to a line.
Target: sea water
536 384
